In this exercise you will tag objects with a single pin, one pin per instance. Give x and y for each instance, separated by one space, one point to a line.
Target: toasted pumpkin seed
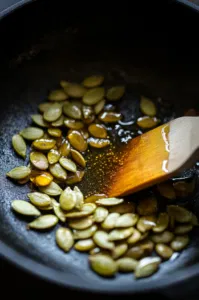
126 264
161 223
99 106
163 238
84 245
43 222
77 141
93 81
64 149
110 117
78 158
147 107
44 106
181 214
110 221
82 223
84 133
68 164
182 229
39 120
76 177
39 199
164 251
147 122
179 242
42 179
136 252
123 208
109 201
55 132
64 239
58 211
119 250
25 208
135 237
146 223
166 190
67 199
100 214
75 90
53 156
57 95
120 234
53 112
126 220
31 133
147 206
57 171
97 130
93 96
79 198
44 144
72 111
115 93
93 198
39 160
73 124
103 265
98 143
101 239
84 234
147 266
89 207
19 145
19 173
53 189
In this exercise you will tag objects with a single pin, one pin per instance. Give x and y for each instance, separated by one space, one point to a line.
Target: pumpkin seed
179 242
39 199
119 250
64 149
42 179
109 201
97 130
31 133
110 221
93 96
123 208
25 208
57 95
147 122
76 177
147 246
136 252
95 250
93 81
147 107
120 234
19 145
126 264
100 214
163 238
79 198
39 160
58 211
53 112
184 189
182 229
126 220
99 106
103 265
166 190
57 171
78 158
135 237
73 124
89 207
84 245
147 206
38 119
161 223
24 180
147 266
68 164
44 144
19 173
101 240
164 251
77 214
59 122
146 223
110 117
53 189
44 106
171 222
75 90
67 199
72 111
84 133
98 143
84 234
82 223
115 93
43 222
46 208
144 235
53 156
64 83
93 198
194 220
77 141
64 239
180 214
87 111
55 132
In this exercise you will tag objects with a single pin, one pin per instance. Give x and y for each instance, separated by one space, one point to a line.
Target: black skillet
46 41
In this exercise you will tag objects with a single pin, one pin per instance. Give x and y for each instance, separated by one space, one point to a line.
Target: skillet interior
35 58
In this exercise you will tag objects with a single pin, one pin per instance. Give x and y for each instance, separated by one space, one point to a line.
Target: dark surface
134 50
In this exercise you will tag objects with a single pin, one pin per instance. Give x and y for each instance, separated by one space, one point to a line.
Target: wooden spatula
157 155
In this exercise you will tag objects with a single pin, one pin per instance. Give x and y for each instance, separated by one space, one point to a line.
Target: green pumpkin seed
25 208
76 177
119 250
55 132
100 214
84 245
64 83
78 158
164 251
110 117
93 96
180 214
147 122
72 111
82 223
58 211
146 223
147 107
19 145
123 208
59 122
115 93
79 198
101 239
53 156
179 242
38 119
77 214
110 221
31 133
57 95
120 234
77 141
39 199
166 190
53 112
75 90
109 201
163 238
99 106
147 206
53 189
84 234
103 265
135 237
44 106
89 207
98 143
194 220
126 220
65 148
182 229
68 164
161 223
126 264
73 124
87 111
43 222
136 252
57 171
147 266
93 81
19 173
44 144
67 199
64 239
39 160
46 208
97 130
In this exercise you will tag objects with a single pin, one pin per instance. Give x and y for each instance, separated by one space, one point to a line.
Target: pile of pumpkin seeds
120 236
